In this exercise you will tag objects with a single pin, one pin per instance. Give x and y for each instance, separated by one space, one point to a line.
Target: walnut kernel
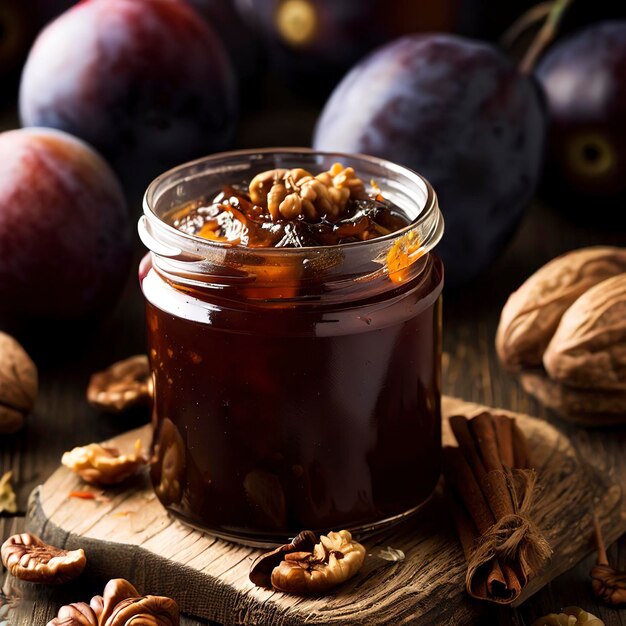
307 569
122 385
28 558
100 465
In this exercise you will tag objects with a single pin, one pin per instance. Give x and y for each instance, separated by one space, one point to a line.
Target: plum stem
533 16
544 37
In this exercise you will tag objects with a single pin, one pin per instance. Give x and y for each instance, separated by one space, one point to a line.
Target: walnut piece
307 569
18 384
291 194
125 384
8 500
588 349
120 605
100 465
571 616
28 558
532 313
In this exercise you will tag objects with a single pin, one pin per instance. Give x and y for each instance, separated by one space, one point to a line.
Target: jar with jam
294 334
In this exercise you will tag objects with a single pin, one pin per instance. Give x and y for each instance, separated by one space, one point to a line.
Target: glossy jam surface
231 215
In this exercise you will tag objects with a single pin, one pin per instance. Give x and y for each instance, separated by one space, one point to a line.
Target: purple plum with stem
459 113
584 79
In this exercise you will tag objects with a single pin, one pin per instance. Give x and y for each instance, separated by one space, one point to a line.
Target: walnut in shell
101 465
18 384
28 558
125 384
588 349
532 313
332 561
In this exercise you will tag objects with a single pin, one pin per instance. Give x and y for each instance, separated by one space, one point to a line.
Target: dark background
276 114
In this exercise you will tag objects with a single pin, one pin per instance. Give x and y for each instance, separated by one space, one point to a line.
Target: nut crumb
390 554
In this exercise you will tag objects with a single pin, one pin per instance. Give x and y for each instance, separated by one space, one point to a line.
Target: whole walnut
588 349
532 314
18 384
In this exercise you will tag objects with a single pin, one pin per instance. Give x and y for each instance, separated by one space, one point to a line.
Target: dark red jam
294 402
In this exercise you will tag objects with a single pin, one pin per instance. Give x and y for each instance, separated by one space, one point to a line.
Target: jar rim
171 242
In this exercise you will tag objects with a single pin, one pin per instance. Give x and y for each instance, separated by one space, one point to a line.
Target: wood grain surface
66 359
209 577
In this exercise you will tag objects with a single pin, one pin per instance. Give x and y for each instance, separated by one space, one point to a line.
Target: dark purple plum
65 231
584 79
312 43
146 82
459 113
239 40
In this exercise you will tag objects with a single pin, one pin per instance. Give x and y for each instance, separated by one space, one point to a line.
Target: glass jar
294 388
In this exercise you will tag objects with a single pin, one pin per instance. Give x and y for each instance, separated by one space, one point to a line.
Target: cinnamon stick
491 490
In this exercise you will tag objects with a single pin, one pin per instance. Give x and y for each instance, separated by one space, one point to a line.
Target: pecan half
305 571
120 605
28 558
100 465
18 384
124 384
144 611
532 313
588 349
75 614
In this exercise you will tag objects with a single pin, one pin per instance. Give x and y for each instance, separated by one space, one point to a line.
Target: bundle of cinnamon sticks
491 486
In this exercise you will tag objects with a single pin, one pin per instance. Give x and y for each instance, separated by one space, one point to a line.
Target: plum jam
294 341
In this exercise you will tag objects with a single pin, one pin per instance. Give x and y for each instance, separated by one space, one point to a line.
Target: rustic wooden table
63 418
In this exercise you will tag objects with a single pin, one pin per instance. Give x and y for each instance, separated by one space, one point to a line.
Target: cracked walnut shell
124 384
101 465
332 561
588 349
532 313
28 558
18 384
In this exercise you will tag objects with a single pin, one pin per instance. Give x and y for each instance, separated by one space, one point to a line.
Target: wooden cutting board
130 535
